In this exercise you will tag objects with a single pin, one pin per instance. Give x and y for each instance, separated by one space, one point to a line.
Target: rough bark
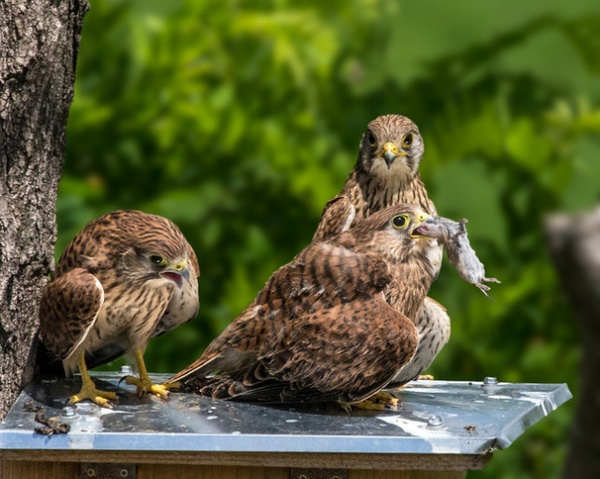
39 40
574 244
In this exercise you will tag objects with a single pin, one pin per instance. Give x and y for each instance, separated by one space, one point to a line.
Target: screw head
91 472
435 422
126 369
490 381
124 473
68 411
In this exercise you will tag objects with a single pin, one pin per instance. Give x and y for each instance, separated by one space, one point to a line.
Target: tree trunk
574 244
39 40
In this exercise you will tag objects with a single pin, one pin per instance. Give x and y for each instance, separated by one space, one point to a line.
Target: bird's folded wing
337 216
69 307
319 328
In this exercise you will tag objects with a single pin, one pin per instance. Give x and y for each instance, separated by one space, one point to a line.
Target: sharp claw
144 387
101 398
484 289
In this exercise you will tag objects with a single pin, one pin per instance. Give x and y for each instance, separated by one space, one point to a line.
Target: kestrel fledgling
386 173
126 277
321 329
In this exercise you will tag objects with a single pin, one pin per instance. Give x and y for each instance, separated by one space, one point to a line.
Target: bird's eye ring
400 221
158 260
371 139
407 141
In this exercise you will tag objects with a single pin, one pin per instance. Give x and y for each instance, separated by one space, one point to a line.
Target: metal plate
434 417
96 470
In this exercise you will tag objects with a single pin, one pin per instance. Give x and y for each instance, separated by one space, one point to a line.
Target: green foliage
239 120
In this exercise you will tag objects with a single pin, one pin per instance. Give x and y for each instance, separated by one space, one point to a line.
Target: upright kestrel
386 173
126 277
321 329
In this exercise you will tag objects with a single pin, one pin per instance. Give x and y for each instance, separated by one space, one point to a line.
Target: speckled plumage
321 329
386 173
126 277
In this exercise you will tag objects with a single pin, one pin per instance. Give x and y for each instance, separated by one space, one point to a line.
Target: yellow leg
144 384
88 389
381 401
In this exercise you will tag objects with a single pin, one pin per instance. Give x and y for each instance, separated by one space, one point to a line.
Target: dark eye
371 138
407 140
400 221
157 260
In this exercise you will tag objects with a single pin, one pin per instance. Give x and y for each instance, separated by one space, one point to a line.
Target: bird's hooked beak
390 152
421 225
177 272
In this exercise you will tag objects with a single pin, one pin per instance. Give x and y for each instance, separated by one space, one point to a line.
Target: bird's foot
101 398
420 377
175 385
146 386
382 401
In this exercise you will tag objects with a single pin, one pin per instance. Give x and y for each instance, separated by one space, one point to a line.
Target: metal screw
335 476
68 411
124 473
435 422
91 472
302 476
490 381
125 369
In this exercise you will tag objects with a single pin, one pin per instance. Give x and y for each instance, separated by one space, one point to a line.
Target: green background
239 120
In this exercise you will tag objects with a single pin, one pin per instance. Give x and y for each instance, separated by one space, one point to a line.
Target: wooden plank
160 471
72 470
371 474
39 470
377 462
180 471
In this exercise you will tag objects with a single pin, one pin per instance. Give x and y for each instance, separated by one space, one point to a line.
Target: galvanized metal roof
434 417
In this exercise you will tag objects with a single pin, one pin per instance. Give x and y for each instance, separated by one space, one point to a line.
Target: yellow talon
101 398
381 401
89 390
144 384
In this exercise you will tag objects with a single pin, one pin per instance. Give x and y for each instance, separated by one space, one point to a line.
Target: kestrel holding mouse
321 329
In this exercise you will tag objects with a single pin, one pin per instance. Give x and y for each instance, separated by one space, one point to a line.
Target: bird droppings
48 426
